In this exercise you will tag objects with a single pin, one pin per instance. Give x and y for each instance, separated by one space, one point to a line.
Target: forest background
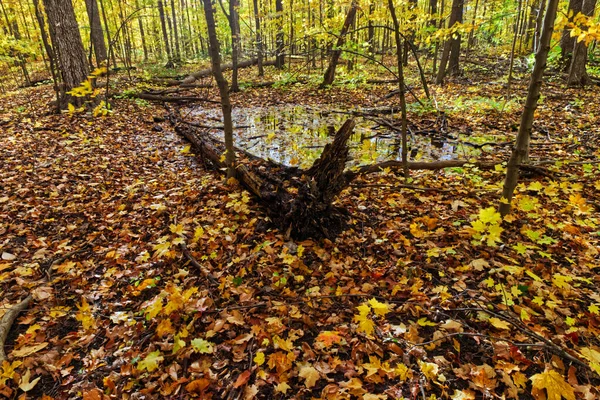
409 208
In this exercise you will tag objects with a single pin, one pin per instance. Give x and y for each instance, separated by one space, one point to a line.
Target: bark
6 323
337 51
400 85
578 75
259 40
48 47
215 58
177 55
538 25
280 56
234 25
512 52
452 45
68 47
567 43
161 13
520 153
96 33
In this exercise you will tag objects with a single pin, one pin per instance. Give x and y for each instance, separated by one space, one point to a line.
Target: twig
196 264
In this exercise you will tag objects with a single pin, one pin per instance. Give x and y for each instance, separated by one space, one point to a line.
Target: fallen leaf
555 385
26 385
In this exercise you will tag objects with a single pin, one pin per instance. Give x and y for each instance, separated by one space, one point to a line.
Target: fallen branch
196 264
208 71
170 99
7 320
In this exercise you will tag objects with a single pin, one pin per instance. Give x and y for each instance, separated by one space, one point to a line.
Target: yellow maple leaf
593 356
259 359
282 387
379 308
150 363
165 328
489 215
463 395
310 375
365 324
154 308
429 370
177 229
85 315
555 385
498 323
363 309
425 322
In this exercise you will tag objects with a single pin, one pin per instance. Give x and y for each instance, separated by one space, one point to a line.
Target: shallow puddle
296 135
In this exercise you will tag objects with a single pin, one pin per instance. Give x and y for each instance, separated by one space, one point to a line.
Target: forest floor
426 295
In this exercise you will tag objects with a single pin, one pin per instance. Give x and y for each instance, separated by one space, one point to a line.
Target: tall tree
259 39
520 153
177 55
96 33
163 24
234 25
215 57
66 40
578 75
280 56
451 51
337 51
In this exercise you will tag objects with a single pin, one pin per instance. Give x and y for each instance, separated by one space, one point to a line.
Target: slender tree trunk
280 56
578 75
163 24
538 25
49 51
400 87
520 153
142 35
108 37
96 33
259 43
177 55
234 25
337 51
67 44
371 29
512 51
214 50
530 33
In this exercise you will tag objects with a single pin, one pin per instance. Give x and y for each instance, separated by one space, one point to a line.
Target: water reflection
296 135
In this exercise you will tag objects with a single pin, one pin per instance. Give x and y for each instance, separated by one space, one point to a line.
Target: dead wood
173 99
298 202
7 321
208 71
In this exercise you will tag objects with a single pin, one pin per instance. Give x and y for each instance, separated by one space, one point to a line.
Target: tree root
7 321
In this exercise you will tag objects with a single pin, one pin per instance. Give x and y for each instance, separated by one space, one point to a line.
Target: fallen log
298 202
173 99
208 71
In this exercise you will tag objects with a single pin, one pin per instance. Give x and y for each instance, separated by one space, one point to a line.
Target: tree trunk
577 72
142 35
68 47
161 13
49 51
280 56
215 58
567 43
452 45
400 63
177 55
96 34
453 64
337 51
520 153
538 26
259 43
234 25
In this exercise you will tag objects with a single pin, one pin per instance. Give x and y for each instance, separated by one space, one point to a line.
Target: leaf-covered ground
426 295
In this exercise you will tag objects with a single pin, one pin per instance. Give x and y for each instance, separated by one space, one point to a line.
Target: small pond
296 135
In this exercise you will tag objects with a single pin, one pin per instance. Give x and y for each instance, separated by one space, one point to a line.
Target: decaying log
208 71
173 99
298 202
7 321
